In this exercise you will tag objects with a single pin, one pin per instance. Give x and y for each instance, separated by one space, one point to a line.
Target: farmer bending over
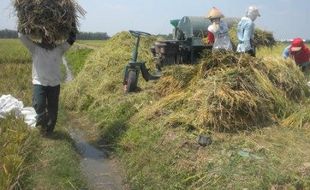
245 32
299 52
46 77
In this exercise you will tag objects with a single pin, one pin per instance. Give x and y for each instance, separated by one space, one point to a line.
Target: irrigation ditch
97 166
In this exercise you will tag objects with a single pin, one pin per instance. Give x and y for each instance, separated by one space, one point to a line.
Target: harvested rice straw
53 19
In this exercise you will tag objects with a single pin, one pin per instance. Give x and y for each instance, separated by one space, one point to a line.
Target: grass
12 51
58 166
27 160
169 158
93 43
18 148
20 87
78 57
161 152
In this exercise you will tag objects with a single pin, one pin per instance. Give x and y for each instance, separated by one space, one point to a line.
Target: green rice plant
12 51
19 87
28 161
18 146
78 57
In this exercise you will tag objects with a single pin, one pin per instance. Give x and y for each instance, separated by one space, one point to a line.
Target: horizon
281 17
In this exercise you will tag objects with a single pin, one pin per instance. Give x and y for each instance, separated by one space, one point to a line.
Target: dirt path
98 168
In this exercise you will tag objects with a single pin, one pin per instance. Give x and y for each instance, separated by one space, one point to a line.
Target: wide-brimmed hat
215 13
297 44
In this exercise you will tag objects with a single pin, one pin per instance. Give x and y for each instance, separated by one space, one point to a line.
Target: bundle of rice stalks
229 96
300 117
286 75
236 92
261 38
175 78
53 19
264 38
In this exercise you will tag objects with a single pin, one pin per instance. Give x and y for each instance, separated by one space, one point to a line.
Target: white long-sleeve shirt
45 62
221 36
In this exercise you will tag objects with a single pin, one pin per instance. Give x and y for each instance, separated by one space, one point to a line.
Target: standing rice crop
18 147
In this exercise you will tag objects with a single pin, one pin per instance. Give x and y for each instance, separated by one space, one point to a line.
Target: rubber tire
132 81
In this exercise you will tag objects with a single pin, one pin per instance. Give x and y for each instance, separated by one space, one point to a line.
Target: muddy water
96 165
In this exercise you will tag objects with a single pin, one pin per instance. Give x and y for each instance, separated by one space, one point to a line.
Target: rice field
154 132
12 51
157 147
28 161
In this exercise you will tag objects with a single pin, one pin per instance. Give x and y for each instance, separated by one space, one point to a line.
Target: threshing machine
187 43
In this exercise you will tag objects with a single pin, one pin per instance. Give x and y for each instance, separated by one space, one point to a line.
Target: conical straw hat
215 13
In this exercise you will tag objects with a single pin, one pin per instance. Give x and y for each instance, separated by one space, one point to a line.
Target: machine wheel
132 81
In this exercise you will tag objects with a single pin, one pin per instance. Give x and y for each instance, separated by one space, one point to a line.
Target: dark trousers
45 102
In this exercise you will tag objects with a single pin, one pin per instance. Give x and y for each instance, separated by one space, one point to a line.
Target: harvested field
225 92
239 100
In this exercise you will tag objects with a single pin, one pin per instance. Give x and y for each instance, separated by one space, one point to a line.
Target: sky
287 19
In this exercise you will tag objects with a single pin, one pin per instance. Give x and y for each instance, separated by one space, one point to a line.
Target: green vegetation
58 166
19 146
12 51
92 43
27 160
154 131
78 57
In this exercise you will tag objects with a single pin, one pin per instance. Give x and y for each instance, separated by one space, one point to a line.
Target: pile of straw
241 92
99 84
53 19
224 92
236 92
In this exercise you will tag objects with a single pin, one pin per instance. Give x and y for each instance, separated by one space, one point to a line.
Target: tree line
80 36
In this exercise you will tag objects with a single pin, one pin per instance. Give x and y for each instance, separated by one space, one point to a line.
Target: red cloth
301 56
210 38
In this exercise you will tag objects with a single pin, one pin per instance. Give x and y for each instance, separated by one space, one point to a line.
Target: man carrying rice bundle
47 53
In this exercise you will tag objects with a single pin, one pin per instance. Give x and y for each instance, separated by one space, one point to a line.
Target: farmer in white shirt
46 78
245 31
218 34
